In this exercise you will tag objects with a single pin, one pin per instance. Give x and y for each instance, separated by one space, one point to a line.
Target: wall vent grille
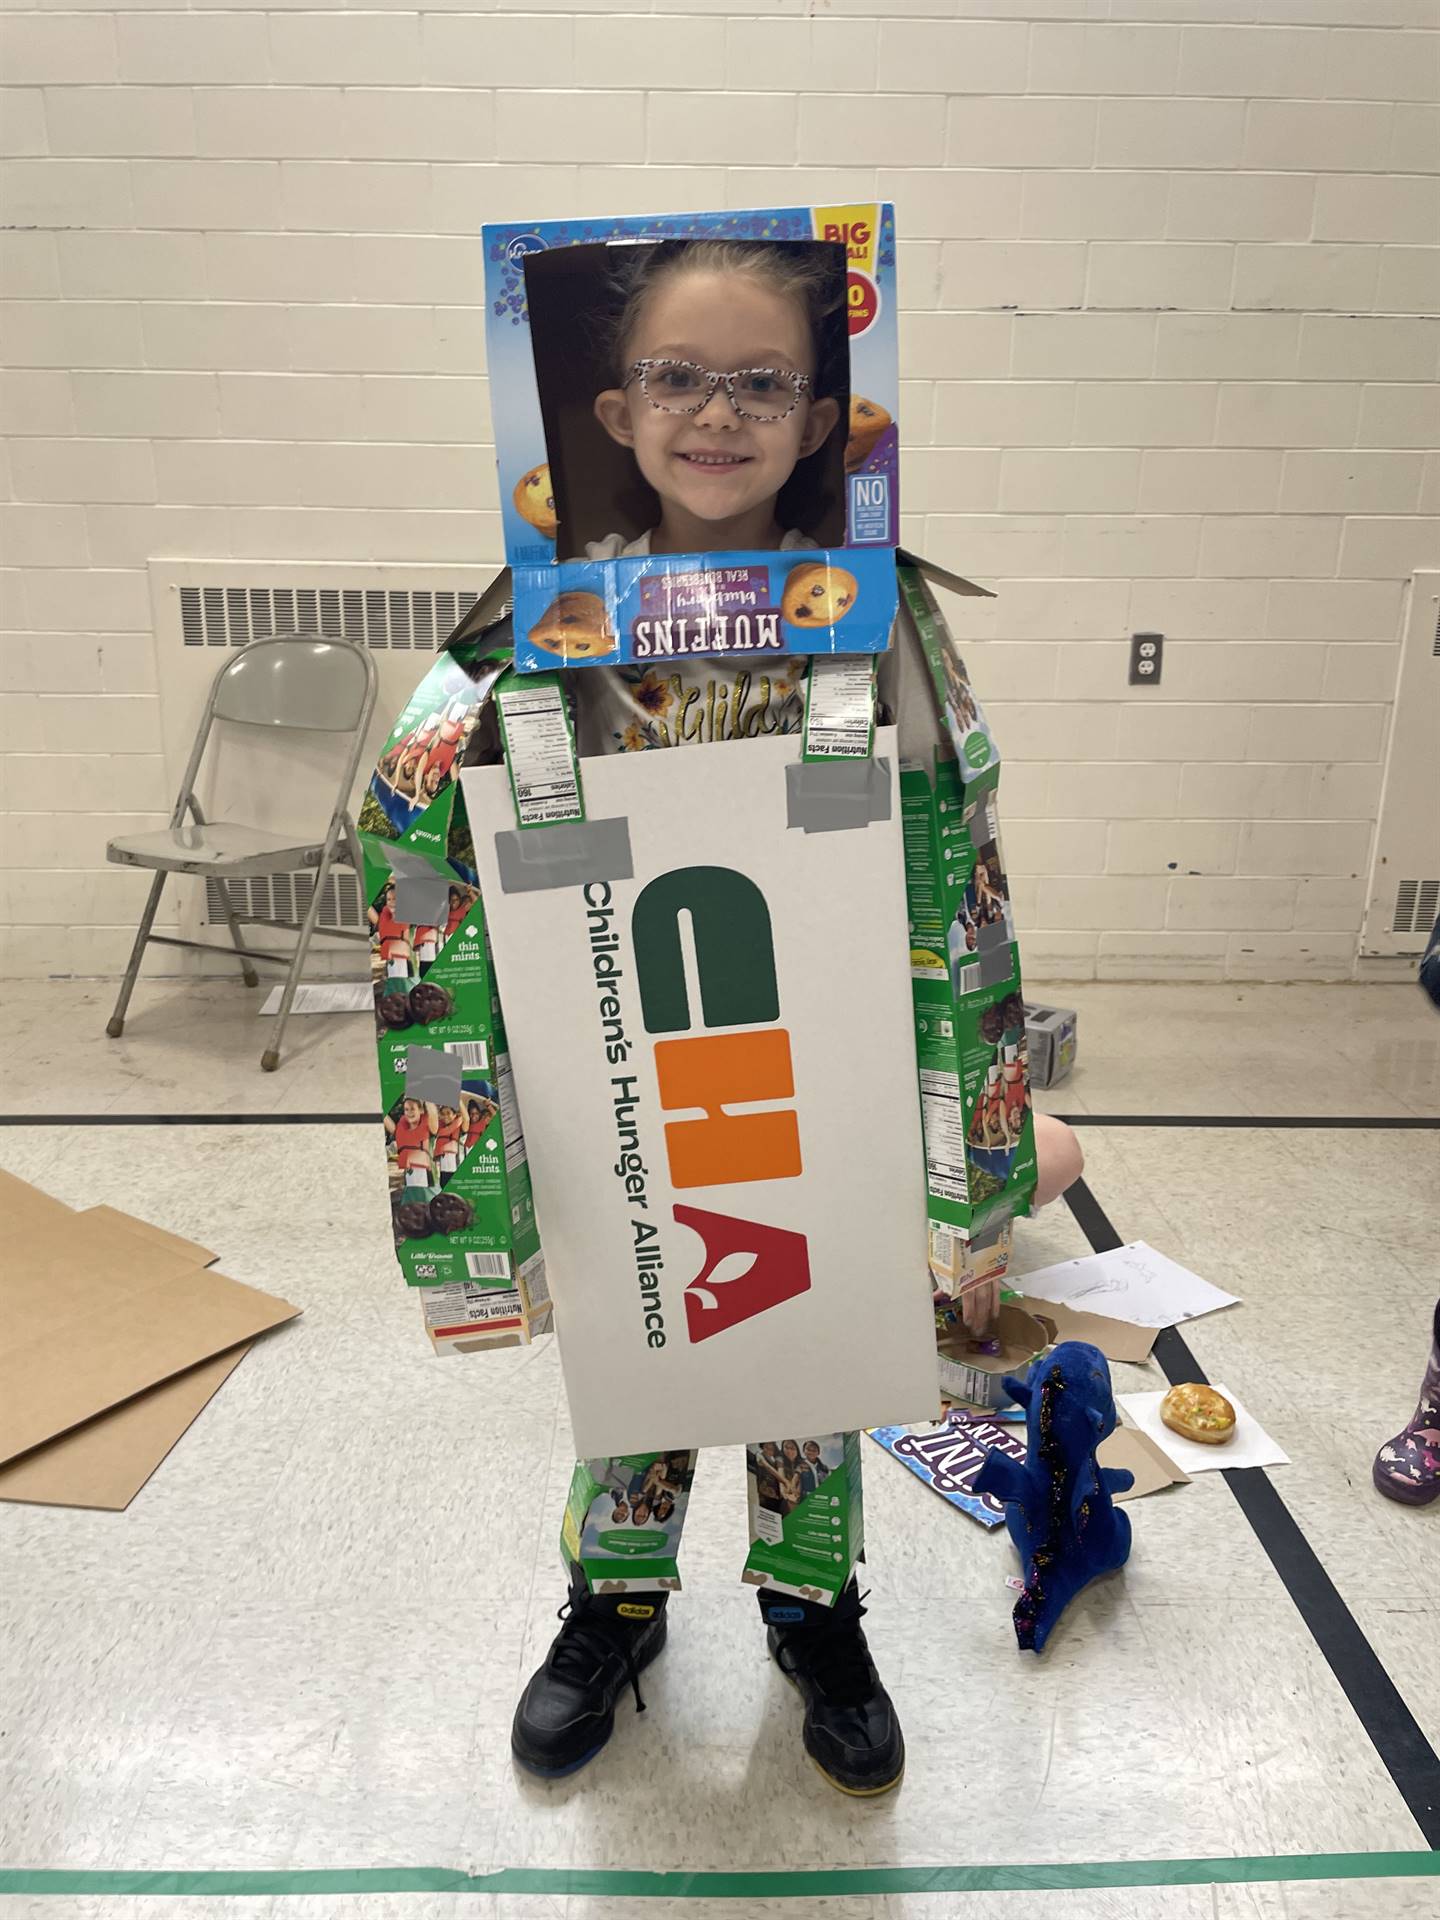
393 619
1416 904
286 896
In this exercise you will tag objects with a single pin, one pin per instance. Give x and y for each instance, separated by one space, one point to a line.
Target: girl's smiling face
717 474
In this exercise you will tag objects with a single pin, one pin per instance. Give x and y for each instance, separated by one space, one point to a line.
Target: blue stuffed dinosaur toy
1057 1501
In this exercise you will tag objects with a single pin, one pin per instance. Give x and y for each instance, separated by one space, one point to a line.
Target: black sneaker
567 1712
852 1732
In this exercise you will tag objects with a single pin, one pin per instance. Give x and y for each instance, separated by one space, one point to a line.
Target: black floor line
1394 1733
1409 1123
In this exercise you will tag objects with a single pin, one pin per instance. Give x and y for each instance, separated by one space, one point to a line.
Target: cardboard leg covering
624 1518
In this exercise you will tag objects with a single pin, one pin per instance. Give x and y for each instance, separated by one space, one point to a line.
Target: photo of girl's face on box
692 391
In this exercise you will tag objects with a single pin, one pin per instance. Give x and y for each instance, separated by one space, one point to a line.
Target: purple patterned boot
1407 1468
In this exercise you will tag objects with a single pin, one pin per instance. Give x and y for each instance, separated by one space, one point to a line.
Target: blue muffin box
564 487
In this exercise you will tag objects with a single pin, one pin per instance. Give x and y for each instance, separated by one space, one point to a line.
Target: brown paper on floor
202 1256
1128 1447
112 1339
106 1462
1116 1339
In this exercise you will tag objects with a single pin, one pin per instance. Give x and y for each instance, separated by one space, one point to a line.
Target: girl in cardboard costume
693 434
719 392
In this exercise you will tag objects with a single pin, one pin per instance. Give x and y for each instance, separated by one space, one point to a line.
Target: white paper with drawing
1133 1283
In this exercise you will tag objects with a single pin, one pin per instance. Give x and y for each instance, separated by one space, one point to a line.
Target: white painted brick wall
1170 278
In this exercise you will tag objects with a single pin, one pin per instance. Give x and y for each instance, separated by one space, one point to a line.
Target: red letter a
767 1266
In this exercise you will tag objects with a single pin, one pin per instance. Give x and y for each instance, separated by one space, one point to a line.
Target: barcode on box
488 1266
472 1054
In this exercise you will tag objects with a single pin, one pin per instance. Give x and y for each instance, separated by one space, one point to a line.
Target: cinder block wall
1170 276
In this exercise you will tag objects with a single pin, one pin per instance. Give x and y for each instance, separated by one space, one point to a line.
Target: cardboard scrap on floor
1116 1339
1024 1328
113 1336
974 1377
947 1456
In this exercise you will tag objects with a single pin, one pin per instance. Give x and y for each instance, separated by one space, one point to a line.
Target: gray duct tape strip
833 796
989 1236
422 896
432 1074
993 950
564 855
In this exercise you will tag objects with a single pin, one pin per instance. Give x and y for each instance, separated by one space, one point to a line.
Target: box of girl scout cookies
461 1208
721 972
970 1043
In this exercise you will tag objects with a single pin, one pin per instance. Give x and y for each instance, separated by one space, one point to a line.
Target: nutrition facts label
840 708
541 755
943 1116
460 1304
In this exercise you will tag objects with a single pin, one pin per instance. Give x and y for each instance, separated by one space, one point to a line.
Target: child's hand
980 1309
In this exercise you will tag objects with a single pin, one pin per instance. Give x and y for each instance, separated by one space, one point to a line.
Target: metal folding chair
294 681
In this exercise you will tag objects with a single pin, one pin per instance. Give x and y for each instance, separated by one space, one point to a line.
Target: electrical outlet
1147 652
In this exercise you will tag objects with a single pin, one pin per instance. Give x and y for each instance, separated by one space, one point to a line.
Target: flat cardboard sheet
1116 1339
1153 1470
808 1314
107 1461
97 1311
160 1236
19 1201
1251 1446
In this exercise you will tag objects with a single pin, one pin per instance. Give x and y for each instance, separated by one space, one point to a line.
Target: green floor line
620 1882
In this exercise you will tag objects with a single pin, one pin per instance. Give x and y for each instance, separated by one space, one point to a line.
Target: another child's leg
1407 1468
1059 1160
622 1570
804 1563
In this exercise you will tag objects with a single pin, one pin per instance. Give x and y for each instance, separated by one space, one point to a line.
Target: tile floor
301 1646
